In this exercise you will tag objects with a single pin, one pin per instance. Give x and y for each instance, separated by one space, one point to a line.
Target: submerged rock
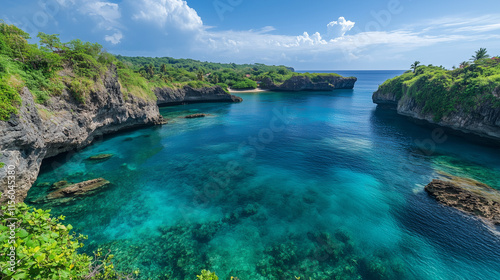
468 196
101 157
59 185
43 185
193 116
79 189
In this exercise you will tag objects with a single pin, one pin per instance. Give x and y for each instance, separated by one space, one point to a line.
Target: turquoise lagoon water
314 185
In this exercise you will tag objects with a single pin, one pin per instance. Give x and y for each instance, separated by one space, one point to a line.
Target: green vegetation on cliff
52 66
440 91
171 72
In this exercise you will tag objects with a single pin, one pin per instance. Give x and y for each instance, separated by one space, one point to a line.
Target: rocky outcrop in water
468 196
195 116
481 120
100 157
62 125
173 96
79 189
304 83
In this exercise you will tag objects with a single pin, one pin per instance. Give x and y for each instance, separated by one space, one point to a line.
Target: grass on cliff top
440 92
49 68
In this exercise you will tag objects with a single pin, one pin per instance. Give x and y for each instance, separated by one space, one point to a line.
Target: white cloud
479 28
339 27
107 17
115 38
106 11
168 12
313 40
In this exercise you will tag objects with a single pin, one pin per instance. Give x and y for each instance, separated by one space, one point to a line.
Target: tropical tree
50 42
199 75
163 68
464 64
480 54
414 66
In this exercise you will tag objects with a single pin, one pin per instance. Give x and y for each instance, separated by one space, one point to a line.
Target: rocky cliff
303 83
42 131
482 120
172 96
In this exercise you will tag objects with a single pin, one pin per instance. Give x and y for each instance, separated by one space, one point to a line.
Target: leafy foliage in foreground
440 91
47 249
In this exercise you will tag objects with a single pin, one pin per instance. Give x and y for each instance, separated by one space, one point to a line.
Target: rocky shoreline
175 96
40 131
468 196
304 83
482 121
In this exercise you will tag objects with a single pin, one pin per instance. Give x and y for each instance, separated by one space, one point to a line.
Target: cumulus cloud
339 27
313 40
168 12
115 38
126 21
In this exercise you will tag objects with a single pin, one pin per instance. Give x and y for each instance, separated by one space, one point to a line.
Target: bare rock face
302 83
62 125
174 96
468 196
83 188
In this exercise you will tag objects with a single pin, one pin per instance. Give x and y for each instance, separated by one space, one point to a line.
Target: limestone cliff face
483 120
302 83
171 96
62 125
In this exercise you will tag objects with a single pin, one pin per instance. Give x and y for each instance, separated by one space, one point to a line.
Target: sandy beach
247 90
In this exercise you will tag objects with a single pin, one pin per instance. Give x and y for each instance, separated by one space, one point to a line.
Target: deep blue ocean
317 185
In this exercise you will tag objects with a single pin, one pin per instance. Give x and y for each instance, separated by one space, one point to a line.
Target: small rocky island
467 195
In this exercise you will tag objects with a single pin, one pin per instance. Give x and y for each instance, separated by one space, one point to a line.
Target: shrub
81 88
47 249
245 84
9 100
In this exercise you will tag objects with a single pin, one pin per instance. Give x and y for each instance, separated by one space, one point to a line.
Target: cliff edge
445 101
172 96
64 124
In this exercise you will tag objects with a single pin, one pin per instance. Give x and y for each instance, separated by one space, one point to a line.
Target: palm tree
415 65
151 70
163 68
464 64
480 54
199 75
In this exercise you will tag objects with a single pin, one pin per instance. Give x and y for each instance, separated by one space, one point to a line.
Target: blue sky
307 35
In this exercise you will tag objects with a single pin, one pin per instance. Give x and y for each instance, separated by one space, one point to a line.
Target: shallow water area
309 184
